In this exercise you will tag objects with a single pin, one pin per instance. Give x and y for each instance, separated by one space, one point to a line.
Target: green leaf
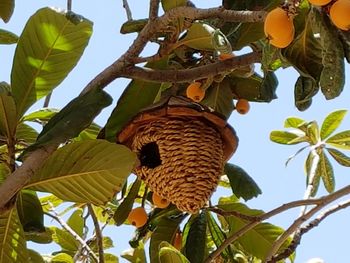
317 177
196 238
285 137
105 213
241 183
110 258
30 211
80 111
344 37
35 257
7 37
88 171
62 258
64 239
199 36
135 255
89 133
331 123
8 119
257 241
76 222
6 9
170 4
132 26
313 132
340 140
165 230
26 134
13 245
136 96
305 88
219 97
106 241
332 77
40 238
49 201
169 254
48 49
126 205
218 236
341 158
293 122
41 116
325 169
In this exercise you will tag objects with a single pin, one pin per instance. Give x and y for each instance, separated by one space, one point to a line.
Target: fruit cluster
339 12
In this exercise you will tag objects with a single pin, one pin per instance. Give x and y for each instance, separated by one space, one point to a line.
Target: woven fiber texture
191 154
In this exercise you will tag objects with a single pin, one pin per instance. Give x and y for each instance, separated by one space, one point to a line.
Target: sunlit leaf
30 211
340 140
110 258
64 239
313 132
241 183
6 9
293 122
107 243
340 157
169 4
135 255
40 116
49 201
76 222
285 137
126 205
8 120
331 123
13 245
34 257
7 37
26 134
169 254
325 169
62 258
88 171
132 26
89 133
310 163
196 239
48 49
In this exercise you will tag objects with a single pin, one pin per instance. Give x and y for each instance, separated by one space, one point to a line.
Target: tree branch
153 10
98 232
127 10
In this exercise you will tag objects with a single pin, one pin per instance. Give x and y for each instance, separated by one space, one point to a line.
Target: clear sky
262 159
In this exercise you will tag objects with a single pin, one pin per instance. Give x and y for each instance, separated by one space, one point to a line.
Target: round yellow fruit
319 2
340 14
138 217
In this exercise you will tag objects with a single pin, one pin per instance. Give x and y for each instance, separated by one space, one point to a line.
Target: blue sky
262 159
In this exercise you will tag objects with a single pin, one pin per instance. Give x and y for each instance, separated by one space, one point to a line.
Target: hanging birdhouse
182 147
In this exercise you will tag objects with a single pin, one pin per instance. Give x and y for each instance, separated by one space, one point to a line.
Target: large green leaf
7 37
40 116
126 205
331 123
169 254
293 122
88 171
219 97
165 231
287 137
30 211
304 89
8 120
325 170
25 134
12 242
72 119
340 157
76 222
136 96
49 47
257 241
241 183
6 9
196 238
64 239
340 140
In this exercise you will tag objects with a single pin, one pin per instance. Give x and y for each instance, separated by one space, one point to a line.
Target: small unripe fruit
242 106
279 28
138 217
159 202
319 2
340 14
194 92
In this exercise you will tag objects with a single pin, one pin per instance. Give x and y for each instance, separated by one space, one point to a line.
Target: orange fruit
194 92
159 202
319 2
340 14
138 217
242 106
279 28
177 242
224 56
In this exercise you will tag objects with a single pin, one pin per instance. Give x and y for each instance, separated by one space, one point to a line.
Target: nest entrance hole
149 155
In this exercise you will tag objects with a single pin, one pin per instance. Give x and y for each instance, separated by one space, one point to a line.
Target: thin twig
153 10
71 231
225 213
98 233
300 232
127 10
47 100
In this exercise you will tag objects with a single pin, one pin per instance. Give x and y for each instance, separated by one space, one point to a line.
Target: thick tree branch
320 203
153 10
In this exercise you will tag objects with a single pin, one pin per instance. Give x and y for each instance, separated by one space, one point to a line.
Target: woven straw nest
182 147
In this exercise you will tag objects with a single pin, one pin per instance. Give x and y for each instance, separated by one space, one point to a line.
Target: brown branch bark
153 9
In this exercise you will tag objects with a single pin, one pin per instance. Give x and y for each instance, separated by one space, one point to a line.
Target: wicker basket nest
182 147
